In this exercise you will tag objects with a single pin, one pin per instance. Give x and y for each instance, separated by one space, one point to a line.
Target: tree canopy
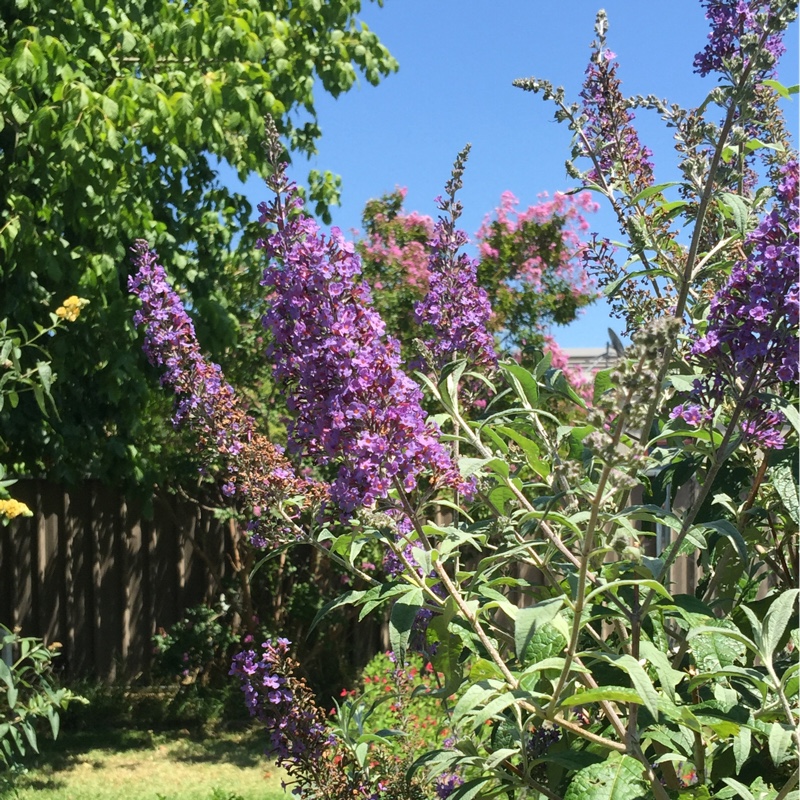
114 117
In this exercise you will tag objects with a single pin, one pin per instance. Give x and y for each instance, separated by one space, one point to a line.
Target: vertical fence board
164 569
50 562
136 634
108 581
79 559
23 554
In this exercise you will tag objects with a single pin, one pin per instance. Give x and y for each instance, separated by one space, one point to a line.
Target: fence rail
88 571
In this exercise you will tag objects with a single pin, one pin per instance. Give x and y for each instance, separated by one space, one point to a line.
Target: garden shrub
519 553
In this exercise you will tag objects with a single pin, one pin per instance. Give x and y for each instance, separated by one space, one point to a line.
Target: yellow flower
13 508
71 309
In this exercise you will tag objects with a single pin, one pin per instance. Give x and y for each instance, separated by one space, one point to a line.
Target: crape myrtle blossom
455 307
353 405
622 161
256 469
750 344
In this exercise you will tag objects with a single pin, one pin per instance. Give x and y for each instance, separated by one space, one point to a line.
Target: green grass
142 765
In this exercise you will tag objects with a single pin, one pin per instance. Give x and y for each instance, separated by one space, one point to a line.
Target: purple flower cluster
446 784
610 136
283 703
740 30
540 740
455 307
751 340
255 468
354 406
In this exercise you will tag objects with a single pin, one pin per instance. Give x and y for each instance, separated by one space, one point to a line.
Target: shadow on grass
246 751
42 785
71 747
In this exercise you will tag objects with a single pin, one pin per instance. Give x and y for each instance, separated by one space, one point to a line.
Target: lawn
142 765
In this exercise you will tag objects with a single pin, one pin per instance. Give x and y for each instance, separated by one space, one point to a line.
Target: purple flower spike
282 702
751 339
620 157
256 469
353 404
455 307
741 30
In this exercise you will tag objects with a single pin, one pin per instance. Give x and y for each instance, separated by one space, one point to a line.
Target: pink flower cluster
403 248
556 259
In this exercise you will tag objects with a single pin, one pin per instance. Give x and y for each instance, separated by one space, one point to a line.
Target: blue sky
457 60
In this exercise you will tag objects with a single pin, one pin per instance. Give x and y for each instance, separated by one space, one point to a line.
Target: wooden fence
88 571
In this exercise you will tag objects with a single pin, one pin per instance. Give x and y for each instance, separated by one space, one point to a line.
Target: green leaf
718 645
667 676
652 190
523 382
736 209
782 611
782 90
744 792
644 584
613 694
785 483
639 678
617 778
497 705
469 789
742 742
731 532
781 746
476 696
404 612
529 447
347 599
531 620
602 383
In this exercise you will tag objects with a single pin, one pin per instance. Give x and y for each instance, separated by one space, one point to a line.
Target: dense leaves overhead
113 119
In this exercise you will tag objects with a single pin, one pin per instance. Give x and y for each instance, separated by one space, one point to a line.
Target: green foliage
113 118
29 695
199 647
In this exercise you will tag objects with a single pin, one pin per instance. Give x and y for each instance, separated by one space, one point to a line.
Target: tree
113 119
529 264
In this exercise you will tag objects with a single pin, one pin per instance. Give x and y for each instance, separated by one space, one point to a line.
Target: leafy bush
198 647
520 555
29 695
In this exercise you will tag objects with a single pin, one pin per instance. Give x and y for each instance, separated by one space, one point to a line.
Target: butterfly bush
283 703
740 30
352 403
750 343
455 307
610 138
256 470
571 660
